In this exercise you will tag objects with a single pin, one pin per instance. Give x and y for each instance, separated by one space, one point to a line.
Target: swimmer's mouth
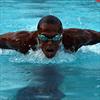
49 50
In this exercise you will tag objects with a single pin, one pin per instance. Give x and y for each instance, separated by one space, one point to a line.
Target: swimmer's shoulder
15 34
73 31
19 36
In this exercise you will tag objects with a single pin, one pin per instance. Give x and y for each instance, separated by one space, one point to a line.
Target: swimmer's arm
74 38
19 41
4 41
93 37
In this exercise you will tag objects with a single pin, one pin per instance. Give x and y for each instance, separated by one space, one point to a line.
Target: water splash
39 57
91 48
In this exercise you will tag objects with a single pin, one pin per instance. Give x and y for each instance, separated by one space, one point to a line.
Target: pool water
66 76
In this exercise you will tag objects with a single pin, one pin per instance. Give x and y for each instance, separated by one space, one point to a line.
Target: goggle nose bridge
52 38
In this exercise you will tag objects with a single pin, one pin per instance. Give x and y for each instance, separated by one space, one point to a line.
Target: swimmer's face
49 39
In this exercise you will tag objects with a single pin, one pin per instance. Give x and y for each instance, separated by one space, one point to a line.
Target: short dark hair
50 19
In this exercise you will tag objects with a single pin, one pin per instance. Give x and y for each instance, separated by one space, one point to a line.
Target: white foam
91 48
39 57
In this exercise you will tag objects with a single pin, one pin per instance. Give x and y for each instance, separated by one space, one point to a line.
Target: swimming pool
65 77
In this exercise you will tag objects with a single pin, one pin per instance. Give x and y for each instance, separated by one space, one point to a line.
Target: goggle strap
38 44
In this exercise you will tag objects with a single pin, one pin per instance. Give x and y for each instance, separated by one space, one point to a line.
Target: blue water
65 77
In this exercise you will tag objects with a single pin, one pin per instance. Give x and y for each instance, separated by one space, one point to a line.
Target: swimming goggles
45 38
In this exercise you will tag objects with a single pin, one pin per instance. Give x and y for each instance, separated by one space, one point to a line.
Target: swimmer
49 36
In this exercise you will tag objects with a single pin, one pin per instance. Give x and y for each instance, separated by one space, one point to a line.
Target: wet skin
49 47
72 39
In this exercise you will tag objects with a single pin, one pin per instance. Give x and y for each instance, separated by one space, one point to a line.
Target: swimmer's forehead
45 27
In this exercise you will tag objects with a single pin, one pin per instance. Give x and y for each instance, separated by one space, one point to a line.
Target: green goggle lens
55 38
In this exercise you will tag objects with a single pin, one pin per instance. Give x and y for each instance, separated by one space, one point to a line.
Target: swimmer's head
50 19
50 35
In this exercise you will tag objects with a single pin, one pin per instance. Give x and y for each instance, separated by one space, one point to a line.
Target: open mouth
50 50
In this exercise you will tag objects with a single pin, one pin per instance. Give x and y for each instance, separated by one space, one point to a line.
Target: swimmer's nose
50 42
